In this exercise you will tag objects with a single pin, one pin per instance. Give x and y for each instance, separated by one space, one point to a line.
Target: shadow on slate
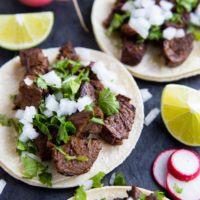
154 138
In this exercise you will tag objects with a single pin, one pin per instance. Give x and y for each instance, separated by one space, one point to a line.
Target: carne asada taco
157 40
122 193
74 113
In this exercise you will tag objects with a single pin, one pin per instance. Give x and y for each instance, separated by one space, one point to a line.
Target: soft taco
71 112
156 40
122 193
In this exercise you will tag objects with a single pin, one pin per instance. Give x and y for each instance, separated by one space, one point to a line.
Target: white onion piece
83 101
19 114
2 185
147 3
146 95
166 5
194 19
28 115
51 78
67 107
87 184
156 16
139 13
180 33
197 11
112 179
28 81
48 113
151 116
51 103
128 6
169 33
167 15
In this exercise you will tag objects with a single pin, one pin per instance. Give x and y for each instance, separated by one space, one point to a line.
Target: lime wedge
22 31
180 109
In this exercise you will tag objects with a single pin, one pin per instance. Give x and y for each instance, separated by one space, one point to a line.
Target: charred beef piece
118 126
68 52
97 84
132 52
28 95
135 193
152 197
127 31
34 61
84 127
43 150
77 147
87 89
177 50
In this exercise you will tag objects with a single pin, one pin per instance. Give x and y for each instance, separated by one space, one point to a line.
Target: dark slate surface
154 139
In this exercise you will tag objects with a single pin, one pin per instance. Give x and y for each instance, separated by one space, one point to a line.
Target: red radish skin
36 3
160 167
184 164
190 189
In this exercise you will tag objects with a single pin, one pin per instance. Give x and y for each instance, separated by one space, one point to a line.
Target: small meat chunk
68 52
87 89
84 127
34 61
135 193
127 30
29 95
177 50
118 126
97 84
43 150
77 147
132 52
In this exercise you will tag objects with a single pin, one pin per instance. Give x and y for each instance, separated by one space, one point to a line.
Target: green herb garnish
142 197
107 102
40 82
159 195
177 189
177 18
195 31
185 5
80 194
155 33
5 121
97 180
96 120
119 179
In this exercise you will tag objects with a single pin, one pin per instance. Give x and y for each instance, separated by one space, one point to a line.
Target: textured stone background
154 138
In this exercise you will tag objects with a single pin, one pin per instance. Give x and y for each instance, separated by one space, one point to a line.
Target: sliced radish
160 167
184 165
182 190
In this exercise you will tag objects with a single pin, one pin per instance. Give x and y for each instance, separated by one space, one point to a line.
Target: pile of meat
115 128
135 194
175 51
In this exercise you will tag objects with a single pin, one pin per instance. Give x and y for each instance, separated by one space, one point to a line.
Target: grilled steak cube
134 193
118 126
177 50
77 147
132 52
127 30
34 61
97 84
29 95
87 89
84 127
68 52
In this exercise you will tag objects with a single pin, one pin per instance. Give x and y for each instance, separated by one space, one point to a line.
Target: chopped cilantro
96 120
28 146
195 31
177 18
117 21
12 97
80 194
108 102
119 179
5 121
45 178
177 189
185 5
155 33
159 195
89 108
142 197
40 82
97 180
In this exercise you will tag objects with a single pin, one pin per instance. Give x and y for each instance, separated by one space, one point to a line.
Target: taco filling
64 112
172 26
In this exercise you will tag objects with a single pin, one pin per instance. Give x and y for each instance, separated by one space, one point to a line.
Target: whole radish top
36 3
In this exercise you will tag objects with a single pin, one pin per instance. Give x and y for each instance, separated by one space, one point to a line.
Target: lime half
21 31
180 109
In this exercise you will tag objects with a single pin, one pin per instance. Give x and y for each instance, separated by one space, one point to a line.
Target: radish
182 190
36 3
184 165
160 167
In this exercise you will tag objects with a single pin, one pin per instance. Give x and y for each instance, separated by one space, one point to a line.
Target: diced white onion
51 78
151 116
146 95
69 79
147 3
139 13
28 133
140 25
180 33
128 6
167 15
19 114
83 101
169 33
28 81
2 185
33 156
67 107
195 19
87 184
112 179
156 16
166 5
51 103
28 115
48 113
197 11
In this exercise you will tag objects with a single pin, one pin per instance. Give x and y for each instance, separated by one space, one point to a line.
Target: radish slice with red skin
160 167
183 190
184 164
